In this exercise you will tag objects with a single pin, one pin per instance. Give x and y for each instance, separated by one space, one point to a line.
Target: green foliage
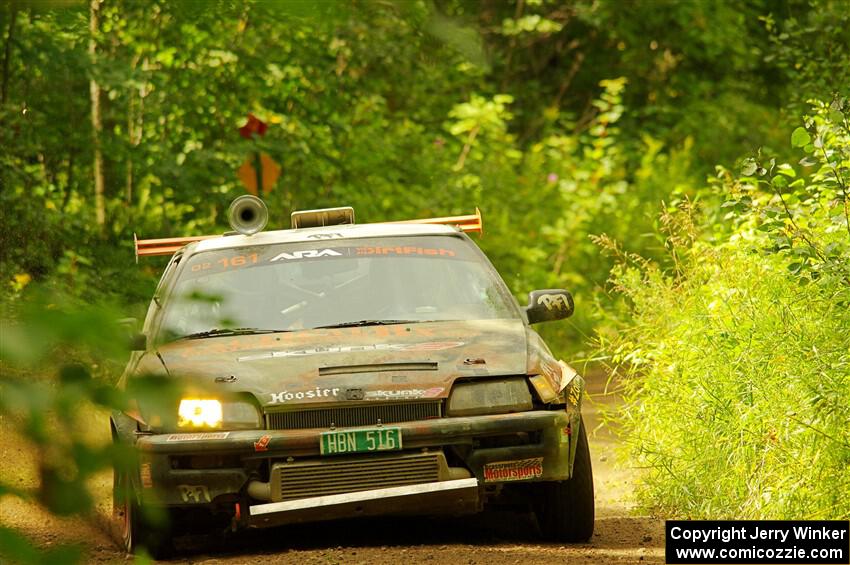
18 549
738 360
560 121
823 34
57 375
805 215
401 110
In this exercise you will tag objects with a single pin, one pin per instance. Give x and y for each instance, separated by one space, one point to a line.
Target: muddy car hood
374 363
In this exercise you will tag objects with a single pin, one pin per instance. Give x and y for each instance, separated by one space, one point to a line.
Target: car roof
322 234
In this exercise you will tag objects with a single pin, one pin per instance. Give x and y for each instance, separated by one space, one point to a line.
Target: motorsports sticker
520 470
198 437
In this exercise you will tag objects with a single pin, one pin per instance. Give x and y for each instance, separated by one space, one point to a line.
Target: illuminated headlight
494 396
209 413
199 413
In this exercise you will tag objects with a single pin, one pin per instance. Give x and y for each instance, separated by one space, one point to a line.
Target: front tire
136 530
565 509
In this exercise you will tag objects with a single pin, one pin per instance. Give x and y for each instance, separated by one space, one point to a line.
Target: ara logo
307 254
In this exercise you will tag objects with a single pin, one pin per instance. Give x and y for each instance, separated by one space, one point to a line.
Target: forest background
681 167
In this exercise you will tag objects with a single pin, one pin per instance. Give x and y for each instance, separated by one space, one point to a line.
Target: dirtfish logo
306 254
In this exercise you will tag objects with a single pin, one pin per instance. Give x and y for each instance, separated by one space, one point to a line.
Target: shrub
737 360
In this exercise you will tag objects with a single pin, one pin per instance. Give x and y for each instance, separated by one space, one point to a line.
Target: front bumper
458 496
474 442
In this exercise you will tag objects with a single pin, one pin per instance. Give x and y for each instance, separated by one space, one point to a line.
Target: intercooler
290 481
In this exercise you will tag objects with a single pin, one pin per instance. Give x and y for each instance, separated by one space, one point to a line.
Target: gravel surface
496 538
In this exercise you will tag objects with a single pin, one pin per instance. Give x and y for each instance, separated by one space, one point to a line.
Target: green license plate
360 441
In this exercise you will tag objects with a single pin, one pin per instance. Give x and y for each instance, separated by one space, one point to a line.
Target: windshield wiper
367 323
215 332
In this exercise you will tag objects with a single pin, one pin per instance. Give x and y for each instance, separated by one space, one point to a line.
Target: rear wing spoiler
164 246
169 245
469 223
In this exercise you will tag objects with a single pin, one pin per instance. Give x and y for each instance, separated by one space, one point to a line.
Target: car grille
319 478
353 416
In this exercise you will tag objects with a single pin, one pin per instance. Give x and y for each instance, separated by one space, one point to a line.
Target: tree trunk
96 121
131 122
69 185
13 8
135 125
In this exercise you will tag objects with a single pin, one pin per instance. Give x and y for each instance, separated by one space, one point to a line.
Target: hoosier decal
285 396
520 470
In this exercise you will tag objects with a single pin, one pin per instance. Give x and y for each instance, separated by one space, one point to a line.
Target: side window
164 282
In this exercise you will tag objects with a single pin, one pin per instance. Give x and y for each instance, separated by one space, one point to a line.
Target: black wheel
135 528
565 509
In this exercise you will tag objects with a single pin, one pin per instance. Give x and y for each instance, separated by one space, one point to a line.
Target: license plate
360 441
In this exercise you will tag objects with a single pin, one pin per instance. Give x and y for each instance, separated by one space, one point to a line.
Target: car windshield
328 283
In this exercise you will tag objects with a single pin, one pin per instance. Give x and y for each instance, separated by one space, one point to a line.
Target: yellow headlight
199 413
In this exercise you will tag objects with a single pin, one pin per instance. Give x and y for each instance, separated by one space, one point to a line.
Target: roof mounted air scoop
248 215
323 217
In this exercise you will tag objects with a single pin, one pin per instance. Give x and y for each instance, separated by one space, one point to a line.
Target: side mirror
548 305
138 342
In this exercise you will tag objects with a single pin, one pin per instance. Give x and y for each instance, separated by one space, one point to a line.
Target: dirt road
495 539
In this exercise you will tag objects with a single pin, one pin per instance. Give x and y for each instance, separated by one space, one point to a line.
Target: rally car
337 370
